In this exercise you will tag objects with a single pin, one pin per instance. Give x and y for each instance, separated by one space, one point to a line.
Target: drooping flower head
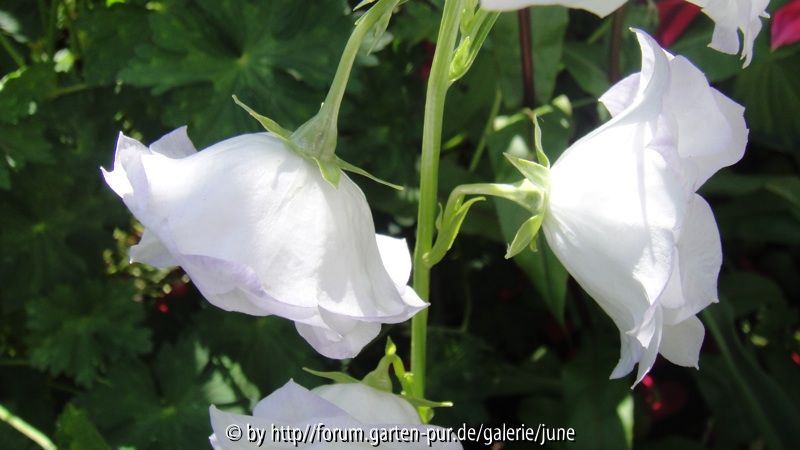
259 231
730 18
623 216
356 412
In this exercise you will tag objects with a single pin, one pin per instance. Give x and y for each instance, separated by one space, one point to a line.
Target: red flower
786 25
674 17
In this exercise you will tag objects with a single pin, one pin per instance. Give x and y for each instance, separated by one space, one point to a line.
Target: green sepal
381 24
475 27
362 4
536 173
461 59
525 237
338 377
379 378
423 403
344 165
450 225
330 171
537 142
269 124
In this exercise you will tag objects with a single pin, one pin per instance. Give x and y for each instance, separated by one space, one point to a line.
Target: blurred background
100 354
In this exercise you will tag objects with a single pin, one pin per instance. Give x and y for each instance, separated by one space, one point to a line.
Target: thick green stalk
429 176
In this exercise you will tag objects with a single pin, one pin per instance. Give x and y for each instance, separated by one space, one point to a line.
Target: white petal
259 231
396 258
335 345
680 343
600 8
306 406
236 287
151 251
731 17
693 286
711 131
725 39
629 354
368 405
610 184
306 410
633 352
621 95
127 178
650 354
175 144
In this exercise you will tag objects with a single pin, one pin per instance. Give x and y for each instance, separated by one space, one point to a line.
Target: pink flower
786 25
674 17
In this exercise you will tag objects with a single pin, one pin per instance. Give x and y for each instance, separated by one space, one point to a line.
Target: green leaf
516 137
587 65
24 143
79 333
417 22
771 91
548 27
597 407
462 369
74 431
268 348
747 292
108 38
763 215
163 405
276 57
21 90
762 400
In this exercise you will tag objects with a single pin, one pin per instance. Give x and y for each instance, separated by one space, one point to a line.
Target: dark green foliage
98 353
79 332
74 431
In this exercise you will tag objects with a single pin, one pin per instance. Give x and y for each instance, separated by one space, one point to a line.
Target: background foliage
100 354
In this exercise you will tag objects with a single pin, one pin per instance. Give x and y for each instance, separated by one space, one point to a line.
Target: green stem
333 101
18 59
429 176
58 92
730 347
52 24
27 429
523 193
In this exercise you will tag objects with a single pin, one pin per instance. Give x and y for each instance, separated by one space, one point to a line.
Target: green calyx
530 193
316 139
380 379
474 27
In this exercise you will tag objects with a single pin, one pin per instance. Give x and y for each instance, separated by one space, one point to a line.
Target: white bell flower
349 416
623 216
599 8
259 231
729 16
